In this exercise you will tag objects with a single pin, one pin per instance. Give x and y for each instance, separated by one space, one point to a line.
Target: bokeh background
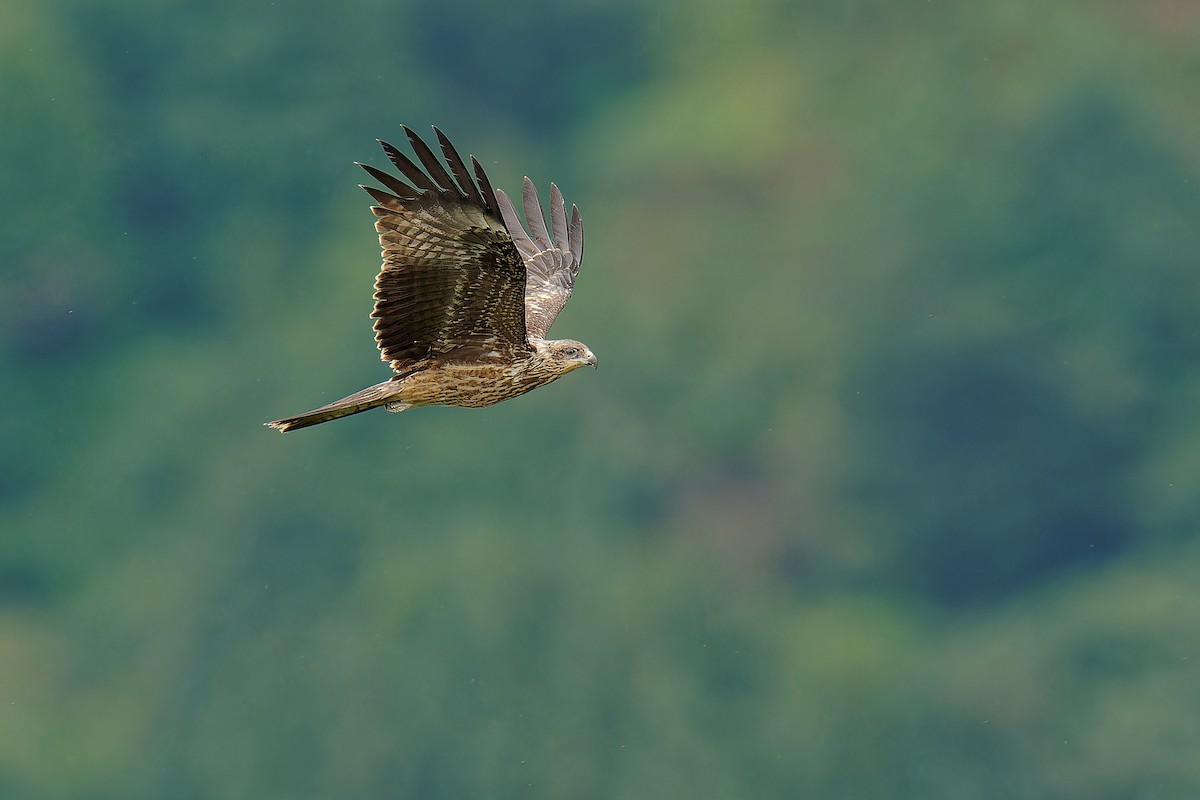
886 485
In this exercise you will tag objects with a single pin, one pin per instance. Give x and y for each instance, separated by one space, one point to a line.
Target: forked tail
371 397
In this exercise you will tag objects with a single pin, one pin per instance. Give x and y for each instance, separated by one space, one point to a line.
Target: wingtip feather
462 176
576 237
558 216
434 167
512 222
534 217
485 187
397 186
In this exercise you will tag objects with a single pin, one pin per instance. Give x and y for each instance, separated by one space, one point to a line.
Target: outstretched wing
452 282
552 262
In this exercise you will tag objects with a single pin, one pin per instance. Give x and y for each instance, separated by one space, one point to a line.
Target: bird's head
565 355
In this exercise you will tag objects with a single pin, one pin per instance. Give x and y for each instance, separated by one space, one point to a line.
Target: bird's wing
452 283
552 262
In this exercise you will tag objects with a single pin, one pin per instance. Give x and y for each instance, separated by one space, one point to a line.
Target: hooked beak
591 361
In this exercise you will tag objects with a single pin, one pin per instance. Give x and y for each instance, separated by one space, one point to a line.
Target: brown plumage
465 296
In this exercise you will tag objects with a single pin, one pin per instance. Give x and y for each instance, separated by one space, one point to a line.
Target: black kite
465 296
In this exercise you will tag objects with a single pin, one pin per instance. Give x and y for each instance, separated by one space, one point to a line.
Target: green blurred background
885 487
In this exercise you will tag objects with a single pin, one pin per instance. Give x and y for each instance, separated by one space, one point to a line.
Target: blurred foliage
885 487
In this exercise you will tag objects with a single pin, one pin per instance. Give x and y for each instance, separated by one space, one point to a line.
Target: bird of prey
466 295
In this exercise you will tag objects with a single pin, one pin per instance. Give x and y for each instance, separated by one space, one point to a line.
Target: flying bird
466 294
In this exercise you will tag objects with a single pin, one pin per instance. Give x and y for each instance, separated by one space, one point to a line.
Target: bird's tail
371 397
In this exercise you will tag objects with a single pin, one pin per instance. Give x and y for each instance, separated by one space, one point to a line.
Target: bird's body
475 384
466 295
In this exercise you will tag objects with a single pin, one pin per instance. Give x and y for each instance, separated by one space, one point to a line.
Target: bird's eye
570 352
